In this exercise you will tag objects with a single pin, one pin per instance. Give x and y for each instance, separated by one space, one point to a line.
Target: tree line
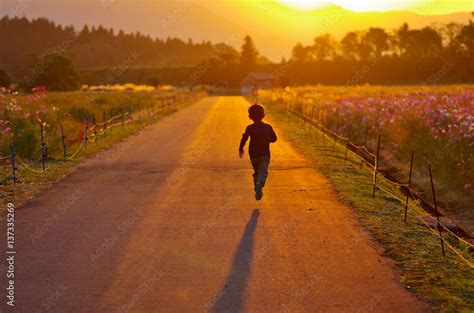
442 54
26 41
41 52
439 54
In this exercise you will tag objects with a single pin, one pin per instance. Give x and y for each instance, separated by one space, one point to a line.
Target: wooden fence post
409 185
364 144
123 118
436 210
43 147
12 151
111 121
94 122
335 136
348 141
86 132
376 166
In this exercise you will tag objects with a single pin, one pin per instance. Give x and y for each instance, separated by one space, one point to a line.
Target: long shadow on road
231 296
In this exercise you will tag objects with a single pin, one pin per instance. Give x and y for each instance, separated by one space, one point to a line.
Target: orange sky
283 23
420 6
274 26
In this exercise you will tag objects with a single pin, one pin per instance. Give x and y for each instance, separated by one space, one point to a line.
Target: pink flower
39 89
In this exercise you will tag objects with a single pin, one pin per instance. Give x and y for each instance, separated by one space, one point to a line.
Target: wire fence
93 132
390 187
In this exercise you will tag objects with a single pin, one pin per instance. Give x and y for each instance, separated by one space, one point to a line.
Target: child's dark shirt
261 135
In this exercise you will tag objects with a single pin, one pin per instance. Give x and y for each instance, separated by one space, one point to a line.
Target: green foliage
55 72
30 138
249 54
96 47
4 79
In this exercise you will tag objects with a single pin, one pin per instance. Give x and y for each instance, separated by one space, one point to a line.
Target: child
261 135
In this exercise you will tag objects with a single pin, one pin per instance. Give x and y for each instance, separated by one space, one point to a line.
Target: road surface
167 222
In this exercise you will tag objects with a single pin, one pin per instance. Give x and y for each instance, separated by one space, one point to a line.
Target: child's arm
243 141
273 136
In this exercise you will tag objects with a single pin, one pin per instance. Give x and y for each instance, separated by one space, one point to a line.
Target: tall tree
350 46
419 43
466 39
300 54
378 41
324 47
249 54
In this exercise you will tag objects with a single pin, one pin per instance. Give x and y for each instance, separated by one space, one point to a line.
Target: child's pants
260 167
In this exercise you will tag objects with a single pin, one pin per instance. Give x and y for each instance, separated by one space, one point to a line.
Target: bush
55 72
4 79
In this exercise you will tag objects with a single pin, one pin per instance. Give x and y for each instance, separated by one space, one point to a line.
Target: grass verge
447 283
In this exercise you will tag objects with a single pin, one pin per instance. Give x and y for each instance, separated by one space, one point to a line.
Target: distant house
259 80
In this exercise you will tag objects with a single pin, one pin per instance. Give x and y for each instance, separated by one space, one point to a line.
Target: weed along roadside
445 281
25 175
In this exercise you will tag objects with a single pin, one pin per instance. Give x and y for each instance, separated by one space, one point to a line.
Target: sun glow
305 4
353 5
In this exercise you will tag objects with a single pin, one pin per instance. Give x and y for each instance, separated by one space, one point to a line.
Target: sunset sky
275 25
421 6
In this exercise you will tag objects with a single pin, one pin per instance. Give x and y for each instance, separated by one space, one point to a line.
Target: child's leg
262 172
255 165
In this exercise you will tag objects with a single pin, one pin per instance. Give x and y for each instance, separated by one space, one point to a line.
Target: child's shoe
258 191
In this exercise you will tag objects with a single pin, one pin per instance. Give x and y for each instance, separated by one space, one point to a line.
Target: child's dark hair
256 112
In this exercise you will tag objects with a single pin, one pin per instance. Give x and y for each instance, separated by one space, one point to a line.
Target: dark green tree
248 55
55 71
300 54
324 47
466 39
419 43
4 79
378 41
350 46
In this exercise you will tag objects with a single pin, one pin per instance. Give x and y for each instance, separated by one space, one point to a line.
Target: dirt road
167 222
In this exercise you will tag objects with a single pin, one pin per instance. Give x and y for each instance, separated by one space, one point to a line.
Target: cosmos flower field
435 122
